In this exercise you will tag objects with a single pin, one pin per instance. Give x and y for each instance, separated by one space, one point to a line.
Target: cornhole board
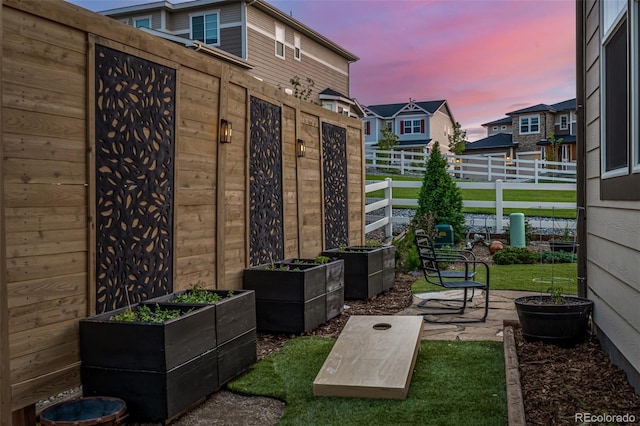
373 357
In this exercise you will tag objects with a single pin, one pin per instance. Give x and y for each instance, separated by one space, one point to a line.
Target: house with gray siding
418 124
268 43
608 131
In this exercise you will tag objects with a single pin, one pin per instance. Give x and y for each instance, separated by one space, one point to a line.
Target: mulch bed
559 384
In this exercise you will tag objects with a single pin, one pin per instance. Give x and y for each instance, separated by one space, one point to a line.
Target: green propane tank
516 230
444 235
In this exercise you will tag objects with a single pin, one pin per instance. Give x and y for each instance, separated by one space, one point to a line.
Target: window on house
503 127
412 126
620 108
205 28
495 128
143 22
529 124
279 41
564 122
367 127
297 54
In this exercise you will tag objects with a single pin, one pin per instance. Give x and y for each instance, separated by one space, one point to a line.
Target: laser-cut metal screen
266 232
334 166
135 143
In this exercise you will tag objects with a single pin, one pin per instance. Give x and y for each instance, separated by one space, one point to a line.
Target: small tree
301 92
458 139
389 139
552 148
440 196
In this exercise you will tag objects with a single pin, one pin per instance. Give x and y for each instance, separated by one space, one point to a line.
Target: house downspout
581 223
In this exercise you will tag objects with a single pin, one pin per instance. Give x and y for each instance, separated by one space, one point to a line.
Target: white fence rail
496 223
476 167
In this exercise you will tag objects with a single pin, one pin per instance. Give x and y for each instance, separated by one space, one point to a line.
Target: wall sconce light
225 131
300 148
457 160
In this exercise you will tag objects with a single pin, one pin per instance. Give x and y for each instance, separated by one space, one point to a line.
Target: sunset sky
485 57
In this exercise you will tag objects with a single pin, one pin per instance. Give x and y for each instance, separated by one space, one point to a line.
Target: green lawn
490 195
521 277
454 383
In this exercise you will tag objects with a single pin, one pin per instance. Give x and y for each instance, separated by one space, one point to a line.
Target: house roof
262 5
566 139
499 140
560 106
506 120
329 93
391 110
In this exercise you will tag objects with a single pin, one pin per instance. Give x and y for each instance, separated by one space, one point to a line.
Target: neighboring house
267 42
417 124
609 175
524 133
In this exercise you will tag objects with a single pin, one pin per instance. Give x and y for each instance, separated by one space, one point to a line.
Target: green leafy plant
550 256
556 294
321 260
373 243
197 295
458 139
440 196
276 267
300 91
515 255
143 313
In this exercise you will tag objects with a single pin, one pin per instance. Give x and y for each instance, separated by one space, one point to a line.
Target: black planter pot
235 329
158 369
368 271
569 246
560 323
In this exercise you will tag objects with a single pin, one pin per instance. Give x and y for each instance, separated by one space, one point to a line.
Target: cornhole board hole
373 357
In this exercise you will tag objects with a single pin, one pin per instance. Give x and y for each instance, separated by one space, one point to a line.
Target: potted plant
291 295
234 328
160 359
368 270
564 243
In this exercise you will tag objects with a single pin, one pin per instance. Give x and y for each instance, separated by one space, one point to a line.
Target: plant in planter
564 243
291 295
160 362
368 270
234 326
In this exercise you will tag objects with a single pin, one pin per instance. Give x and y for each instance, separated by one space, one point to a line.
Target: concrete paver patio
501 307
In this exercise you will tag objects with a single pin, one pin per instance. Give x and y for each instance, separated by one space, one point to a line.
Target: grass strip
454 383
520 277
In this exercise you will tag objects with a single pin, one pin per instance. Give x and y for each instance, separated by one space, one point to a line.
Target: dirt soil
560 383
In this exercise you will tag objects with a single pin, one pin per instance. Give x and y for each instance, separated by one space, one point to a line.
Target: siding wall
48 195
277 71
612 236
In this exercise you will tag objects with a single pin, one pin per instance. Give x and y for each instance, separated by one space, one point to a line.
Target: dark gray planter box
158 369
235 330
147 346
368 270
291 317
293 286
155 395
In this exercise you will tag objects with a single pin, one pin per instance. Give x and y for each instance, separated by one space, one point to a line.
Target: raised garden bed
159 368
234 326
296 295
368 271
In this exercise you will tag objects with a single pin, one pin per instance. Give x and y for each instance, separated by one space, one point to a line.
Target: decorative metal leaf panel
266 232
135 143
334 167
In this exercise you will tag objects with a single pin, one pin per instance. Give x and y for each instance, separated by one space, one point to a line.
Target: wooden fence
113 174
475 167
495 222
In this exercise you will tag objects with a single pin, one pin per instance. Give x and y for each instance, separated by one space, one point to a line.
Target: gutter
581 225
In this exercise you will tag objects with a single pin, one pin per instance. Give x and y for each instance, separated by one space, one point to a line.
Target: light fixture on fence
457 160
225 131
300 148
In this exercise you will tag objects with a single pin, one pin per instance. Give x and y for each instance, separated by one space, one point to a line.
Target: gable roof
506 120
391 110
499 140
560 106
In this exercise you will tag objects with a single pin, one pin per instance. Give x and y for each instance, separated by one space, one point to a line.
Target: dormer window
205 28
529 124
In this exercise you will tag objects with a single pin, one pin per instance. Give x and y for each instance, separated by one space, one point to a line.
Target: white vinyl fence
496 223
475 167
